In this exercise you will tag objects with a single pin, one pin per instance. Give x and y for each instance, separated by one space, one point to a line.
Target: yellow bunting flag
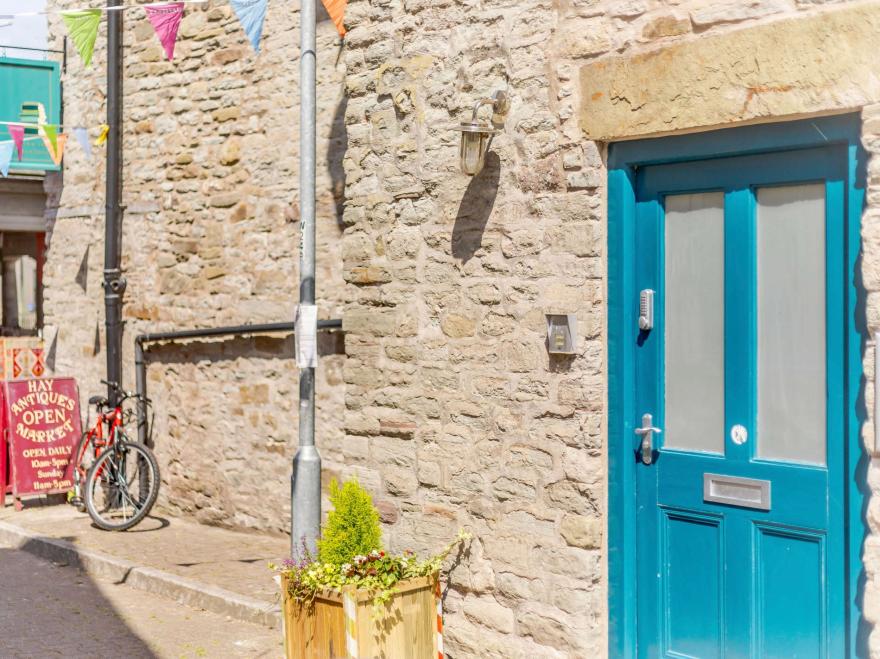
83 28
336 9
102 136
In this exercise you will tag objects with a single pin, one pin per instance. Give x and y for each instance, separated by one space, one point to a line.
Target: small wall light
561 333
476 134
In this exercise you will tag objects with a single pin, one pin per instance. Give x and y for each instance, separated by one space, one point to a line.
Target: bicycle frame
95 438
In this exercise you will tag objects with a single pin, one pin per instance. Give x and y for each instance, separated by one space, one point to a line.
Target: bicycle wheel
122 486
83 457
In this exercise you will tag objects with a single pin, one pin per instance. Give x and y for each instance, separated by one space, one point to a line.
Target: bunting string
48 12
83 24
26 139
26 124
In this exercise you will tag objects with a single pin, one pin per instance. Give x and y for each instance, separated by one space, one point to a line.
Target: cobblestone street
48 610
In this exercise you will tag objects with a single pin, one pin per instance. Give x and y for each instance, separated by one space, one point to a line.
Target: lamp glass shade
473 152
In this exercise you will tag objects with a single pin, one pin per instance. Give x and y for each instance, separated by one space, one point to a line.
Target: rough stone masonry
211 238
454 410
446 404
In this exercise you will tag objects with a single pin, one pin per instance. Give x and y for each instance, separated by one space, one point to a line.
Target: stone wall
870 280
211 237
455 413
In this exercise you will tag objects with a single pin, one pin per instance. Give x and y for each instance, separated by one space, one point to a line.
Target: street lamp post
305 486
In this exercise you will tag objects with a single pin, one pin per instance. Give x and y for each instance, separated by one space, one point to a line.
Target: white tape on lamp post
307 336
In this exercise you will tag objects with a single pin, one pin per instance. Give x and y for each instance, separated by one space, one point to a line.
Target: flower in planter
350 553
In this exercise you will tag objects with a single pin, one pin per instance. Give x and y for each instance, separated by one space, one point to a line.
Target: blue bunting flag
251 14
6 151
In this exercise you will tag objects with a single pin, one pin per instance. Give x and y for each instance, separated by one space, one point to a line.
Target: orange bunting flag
336 9
57 152
53 142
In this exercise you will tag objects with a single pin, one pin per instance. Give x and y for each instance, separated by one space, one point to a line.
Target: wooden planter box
411 627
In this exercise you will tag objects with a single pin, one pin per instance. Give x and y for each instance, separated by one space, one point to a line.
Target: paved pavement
47 610
231 560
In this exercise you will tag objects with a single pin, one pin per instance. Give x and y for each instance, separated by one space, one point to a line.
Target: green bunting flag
83 28
49 133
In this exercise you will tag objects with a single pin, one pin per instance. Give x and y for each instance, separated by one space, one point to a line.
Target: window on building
22 236
20 282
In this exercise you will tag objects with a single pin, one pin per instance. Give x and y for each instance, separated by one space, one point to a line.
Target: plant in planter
356 600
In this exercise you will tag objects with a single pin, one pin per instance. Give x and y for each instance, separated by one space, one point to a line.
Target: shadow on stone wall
253 347
475 208
82 274
861 472
860 322
53 186
336 155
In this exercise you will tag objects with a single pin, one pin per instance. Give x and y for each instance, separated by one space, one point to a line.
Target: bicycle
116 480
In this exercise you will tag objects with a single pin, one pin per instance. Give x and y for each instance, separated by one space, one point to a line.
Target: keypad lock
646 310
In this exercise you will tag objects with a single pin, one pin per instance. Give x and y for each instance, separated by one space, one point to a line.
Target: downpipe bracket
115 282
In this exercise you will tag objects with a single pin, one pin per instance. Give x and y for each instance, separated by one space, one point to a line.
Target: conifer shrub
352 527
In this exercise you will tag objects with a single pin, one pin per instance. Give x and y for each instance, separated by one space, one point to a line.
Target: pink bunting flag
166 21
16 132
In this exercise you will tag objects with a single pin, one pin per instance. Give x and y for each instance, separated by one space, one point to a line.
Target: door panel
743 378
790 611
692 591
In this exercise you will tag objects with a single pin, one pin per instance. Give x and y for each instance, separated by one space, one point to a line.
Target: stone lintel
819 63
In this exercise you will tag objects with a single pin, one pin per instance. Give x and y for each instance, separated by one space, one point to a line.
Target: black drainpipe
114 282
140 363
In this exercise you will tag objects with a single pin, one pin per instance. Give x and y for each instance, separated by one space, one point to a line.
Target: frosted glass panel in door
791 323
694 322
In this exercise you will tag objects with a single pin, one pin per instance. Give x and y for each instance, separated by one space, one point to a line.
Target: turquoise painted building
30 93
30 90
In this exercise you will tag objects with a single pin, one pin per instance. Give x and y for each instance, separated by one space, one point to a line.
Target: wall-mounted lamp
476 134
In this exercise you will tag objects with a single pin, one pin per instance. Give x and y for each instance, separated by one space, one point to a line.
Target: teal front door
738 293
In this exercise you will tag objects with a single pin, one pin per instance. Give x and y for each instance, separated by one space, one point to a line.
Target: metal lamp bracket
500 103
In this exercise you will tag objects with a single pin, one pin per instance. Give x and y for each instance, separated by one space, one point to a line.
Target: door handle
646 432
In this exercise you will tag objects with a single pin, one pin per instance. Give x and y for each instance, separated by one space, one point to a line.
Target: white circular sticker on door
739 434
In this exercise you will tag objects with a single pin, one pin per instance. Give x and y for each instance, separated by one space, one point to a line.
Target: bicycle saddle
98 400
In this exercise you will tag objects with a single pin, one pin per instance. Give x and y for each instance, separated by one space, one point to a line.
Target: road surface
47 610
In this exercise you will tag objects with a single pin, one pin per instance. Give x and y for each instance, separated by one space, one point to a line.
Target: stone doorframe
817 64
806 66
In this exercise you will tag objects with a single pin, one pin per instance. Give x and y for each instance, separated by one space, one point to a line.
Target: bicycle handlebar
126 395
